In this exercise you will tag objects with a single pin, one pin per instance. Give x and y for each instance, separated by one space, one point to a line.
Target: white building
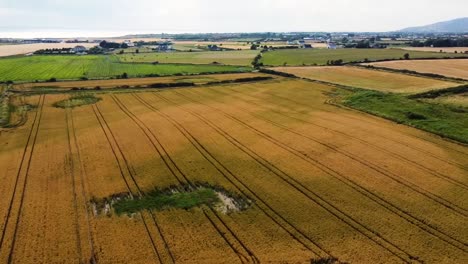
129 43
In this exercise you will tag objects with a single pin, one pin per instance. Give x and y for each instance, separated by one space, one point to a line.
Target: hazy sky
222 15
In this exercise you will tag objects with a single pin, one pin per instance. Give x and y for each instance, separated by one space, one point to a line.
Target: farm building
165 46
214 48
331 45
79 49
129 43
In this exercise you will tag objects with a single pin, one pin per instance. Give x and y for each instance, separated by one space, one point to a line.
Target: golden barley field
324 181
450 68
368 79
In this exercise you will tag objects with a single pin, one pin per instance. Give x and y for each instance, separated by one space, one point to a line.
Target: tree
253 47
103 44
124 75
137 51
406 56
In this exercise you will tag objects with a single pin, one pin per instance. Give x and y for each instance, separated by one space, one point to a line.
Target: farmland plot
300 57
208 57
449 68
136 82
72 67
368 79
323 181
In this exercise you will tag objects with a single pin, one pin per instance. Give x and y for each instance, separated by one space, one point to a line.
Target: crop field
300 57
135 82
449 68
368 79
447 50
93 67
456 99
244 57
317 181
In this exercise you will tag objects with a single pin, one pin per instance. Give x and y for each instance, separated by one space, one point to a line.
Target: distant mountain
459 25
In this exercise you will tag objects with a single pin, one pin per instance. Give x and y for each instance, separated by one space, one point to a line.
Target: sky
71 18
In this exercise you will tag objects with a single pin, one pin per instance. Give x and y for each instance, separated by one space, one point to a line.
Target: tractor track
297 235
395 155
387 205
311 195
15 187
435 198
384 203
464 167
144 128
101 123
93 258
25 183
71 167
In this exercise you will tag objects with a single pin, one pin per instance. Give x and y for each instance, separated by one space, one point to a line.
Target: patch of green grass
441 119
160 200
298 57
71 67
77 100
5 111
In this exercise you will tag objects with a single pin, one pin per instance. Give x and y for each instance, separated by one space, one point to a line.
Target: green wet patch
442 119
183 197
77 100
158 200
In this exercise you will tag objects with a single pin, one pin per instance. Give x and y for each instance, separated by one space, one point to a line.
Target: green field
244 57
299 57
93 67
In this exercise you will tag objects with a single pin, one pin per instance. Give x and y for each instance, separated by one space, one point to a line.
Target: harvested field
244 57
133 82
324 181
18 49
368 79
307 57
446 50
449 68
457 99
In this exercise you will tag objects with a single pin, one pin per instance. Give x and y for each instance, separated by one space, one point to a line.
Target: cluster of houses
307 43
77 50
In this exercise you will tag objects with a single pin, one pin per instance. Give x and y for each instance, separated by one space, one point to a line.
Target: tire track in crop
71 165
25 182
83 176
435 198
395 155
140 192
381 201
103 123
163 154
297 235
34 127
334 85
348 220
382 136
406 215
387 205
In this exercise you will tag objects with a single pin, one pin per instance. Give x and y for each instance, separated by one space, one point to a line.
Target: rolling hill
459 25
